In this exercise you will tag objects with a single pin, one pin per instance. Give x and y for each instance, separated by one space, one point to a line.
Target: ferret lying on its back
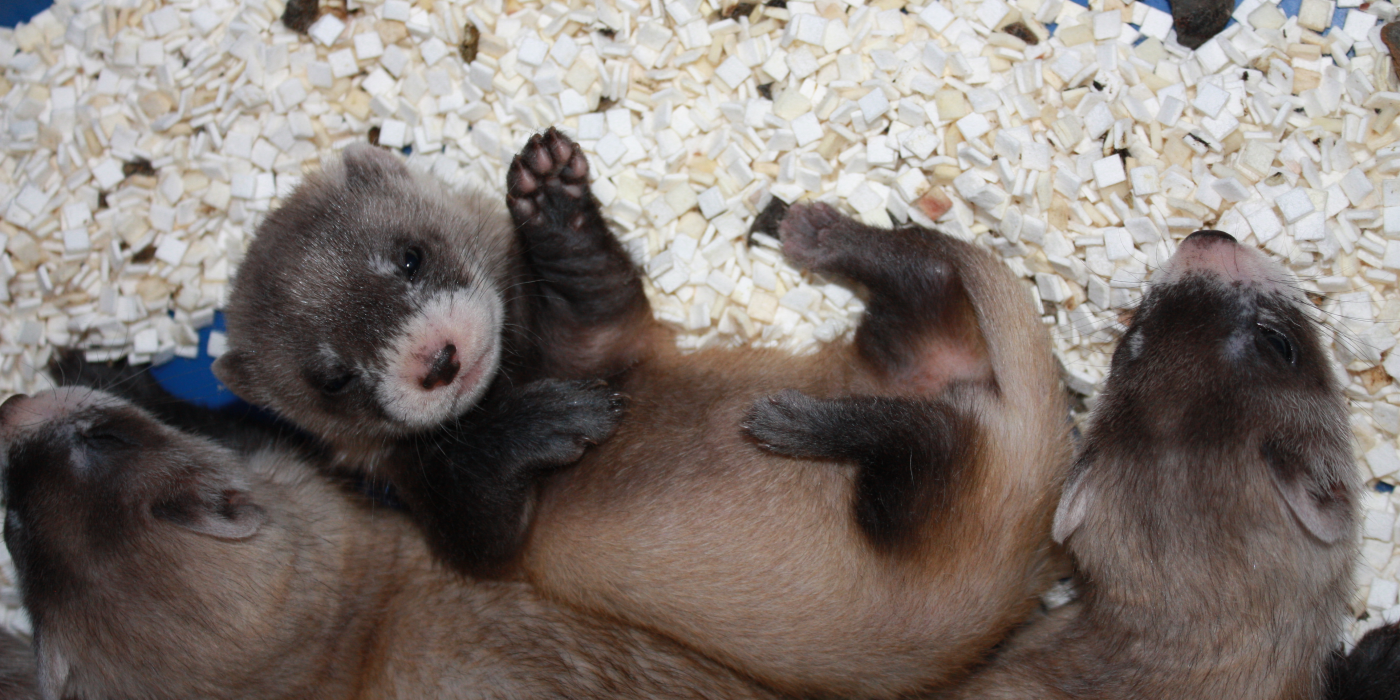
1212 512
359 315
158 564
866 521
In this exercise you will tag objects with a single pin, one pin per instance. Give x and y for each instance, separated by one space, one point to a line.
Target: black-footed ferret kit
361 314
868 520
157 563
1211 513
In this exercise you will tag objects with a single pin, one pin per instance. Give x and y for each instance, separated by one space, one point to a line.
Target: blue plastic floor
13 12
191 379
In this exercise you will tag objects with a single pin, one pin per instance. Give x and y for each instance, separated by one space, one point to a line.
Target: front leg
914 456
471 485
590 311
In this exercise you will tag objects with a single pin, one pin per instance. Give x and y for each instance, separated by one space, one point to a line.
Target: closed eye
1280 343
106 438
337 383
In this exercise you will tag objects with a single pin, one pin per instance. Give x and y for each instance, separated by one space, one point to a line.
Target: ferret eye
337 384
101 438
1279 342
412 260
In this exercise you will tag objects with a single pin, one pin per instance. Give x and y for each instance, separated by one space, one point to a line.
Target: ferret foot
470 484
553 421
589 307
547 184
786 424
816 235
916 300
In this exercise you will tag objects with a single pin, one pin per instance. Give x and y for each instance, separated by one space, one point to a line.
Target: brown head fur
157 564
1212 511
324 292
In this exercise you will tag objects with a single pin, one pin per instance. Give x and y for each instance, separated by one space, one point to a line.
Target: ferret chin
155 563
1212 512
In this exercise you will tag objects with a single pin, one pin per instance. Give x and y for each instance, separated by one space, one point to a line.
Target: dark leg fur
910 453
1371 671
910 450
916 294
589 293
470 485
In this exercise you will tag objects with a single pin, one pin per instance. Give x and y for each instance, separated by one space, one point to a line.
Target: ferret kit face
1212 512
370 317
157 564
111 517
866 521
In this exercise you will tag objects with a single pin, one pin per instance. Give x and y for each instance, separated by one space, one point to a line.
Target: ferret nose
444 368
1200 236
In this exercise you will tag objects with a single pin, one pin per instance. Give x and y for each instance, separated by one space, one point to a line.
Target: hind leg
920 328
590 304
912 453
921 340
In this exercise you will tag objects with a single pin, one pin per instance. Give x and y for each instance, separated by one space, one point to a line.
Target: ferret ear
1321 503
229 514
369 167
231 368
1312 482
1324 512
1075 501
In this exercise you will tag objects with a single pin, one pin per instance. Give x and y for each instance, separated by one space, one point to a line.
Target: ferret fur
159 564
1212 512
867 521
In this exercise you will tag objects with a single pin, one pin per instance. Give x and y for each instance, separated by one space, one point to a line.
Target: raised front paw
564 417
549 176
784 423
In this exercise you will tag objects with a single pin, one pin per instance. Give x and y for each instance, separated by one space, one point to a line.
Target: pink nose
1207 235
444 368
1217 252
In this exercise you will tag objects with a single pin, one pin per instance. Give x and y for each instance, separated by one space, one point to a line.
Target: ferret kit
177 566
946 402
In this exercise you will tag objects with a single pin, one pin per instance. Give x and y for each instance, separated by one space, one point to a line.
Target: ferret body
159 564
865 521
1212 513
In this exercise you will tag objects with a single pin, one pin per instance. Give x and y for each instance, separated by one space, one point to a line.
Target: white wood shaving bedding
1081 158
